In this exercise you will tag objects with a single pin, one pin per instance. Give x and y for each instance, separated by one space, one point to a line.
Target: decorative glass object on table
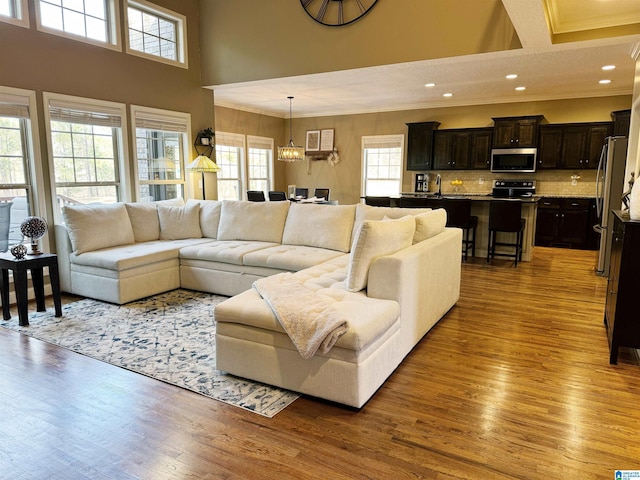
18 251
34 228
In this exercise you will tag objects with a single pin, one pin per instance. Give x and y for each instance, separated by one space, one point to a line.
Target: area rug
169 337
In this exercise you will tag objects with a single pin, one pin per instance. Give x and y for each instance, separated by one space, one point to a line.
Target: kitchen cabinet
563 222
420 145
516 132
621 121
620 314
574 146
462 149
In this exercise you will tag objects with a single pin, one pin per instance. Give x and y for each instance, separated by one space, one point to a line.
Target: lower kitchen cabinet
564 222
620 314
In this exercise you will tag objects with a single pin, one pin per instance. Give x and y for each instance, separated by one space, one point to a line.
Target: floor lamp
203 164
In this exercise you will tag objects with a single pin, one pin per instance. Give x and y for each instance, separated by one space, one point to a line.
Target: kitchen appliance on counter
510 160
514 188
609 189
422 182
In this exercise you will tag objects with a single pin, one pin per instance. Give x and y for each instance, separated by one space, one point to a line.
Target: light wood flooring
513 383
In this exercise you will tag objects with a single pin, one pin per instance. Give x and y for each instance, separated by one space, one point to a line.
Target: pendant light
290 153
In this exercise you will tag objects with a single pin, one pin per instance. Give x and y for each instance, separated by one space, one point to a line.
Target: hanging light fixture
290 153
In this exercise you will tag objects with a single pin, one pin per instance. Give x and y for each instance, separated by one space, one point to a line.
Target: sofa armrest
63 250
424 279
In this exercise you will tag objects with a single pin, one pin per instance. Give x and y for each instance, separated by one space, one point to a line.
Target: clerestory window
14 12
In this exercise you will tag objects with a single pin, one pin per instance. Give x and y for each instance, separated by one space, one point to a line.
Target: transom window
86 141
161 140
382 165
15 12
156 32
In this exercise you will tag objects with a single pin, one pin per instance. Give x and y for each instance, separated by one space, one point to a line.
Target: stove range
514 188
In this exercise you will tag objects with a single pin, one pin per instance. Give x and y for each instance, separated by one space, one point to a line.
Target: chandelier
290 153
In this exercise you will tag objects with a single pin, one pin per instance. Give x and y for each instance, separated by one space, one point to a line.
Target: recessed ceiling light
511 76
609 67
447 94
604 82
521 88
429 84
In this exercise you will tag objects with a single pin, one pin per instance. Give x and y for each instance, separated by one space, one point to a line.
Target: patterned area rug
169 337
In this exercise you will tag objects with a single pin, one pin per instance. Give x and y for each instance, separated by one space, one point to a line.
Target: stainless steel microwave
513 159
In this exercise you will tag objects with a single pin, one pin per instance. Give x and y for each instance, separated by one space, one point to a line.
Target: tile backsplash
548 182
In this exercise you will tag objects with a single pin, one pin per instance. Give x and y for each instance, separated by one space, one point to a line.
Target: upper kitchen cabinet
462 149
420 145
621 121
574 146
516 132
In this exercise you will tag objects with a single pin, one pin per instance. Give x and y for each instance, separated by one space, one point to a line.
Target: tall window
93 21
230 158
260 163
16 171
382 165
156 32
15 12
87 149
161 143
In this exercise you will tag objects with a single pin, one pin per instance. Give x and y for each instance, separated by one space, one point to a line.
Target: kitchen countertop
488 196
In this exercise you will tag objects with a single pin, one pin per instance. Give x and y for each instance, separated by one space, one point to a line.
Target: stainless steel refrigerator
609 189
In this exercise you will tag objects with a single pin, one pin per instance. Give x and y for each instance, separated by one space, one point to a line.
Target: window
260 163
15 12
382 165
156 33
161 143
17 165
87 148
92 21
230 158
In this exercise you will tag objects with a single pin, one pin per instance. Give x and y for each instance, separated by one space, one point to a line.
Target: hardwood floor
513 383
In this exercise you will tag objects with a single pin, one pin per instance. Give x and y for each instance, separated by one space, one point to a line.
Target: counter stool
459 215
505 216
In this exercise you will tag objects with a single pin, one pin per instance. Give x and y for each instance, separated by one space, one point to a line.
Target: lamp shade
290 153
203 164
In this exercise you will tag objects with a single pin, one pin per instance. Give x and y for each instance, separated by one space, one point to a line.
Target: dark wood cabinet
621 121
620 314
515 132
574 146
563 222
420 145
462 149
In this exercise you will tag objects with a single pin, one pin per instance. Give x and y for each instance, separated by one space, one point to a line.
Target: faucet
439 184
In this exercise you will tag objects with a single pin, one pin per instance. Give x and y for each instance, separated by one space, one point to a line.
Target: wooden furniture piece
420 145
505 216
378 201
621 308
564 222
572 145
516 132
19 269
462 149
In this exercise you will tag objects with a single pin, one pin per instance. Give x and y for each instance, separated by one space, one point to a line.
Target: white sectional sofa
391 273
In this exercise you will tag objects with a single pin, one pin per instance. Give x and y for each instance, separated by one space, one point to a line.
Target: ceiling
565 45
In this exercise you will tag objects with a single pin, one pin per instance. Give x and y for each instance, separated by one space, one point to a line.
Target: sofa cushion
375 239
430 224
290 257
177 223
92 227
254 221
144 218
209 216
224 251
323 226
368 212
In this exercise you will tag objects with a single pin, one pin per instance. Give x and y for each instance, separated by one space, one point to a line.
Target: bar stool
505 216
459 215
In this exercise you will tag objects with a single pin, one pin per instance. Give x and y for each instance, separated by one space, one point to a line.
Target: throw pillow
376 238
430 224
177 223
322 226
253 221
144 221
92 227
209 216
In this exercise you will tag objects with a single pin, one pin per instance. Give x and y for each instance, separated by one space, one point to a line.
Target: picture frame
326 140
313 141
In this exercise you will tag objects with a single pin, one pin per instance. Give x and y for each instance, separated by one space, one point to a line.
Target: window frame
158 11
262 143
123 181
381 139
113 42
234 140
140 112
21 17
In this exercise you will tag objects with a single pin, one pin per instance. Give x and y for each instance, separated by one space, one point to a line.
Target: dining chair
459 215
275 196
255 196
321 193
302 192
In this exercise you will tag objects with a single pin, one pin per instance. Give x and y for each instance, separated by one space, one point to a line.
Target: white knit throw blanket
309 320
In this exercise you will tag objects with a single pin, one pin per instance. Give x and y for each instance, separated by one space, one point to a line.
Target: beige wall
245 40
344 179
38 61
